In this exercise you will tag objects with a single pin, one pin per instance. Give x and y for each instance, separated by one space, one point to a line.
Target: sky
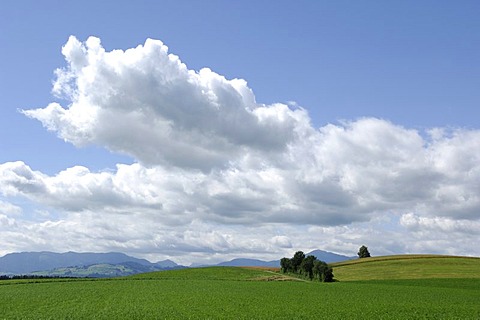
202 131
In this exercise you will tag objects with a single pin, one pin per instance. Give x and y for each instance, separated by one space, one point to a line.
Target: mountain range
113 263
328 257
35 262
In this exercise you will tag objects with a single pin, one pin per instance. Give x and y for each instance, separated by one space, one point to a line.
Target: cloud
146 103
418 223
217 172
6 221
9 209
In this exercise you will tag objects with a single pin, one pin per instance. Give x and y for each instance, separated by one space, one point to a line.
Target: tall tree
306 267
297 260
286 265
363 252
322 271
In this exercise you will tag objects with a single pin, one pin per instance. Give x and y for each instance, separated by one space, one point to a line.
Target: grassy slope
407 267
102 269
233 293
210 273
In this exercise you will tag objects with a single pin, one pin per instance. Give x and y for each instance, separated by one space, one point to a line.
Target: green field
239 293
407 267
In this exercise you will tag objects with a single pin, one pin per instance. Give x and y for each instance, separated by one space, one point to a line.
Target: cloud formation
211 163
146 103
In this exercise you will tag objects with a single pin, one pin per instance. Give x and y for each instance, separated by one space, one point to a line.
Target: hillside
407 267
30 262
80 264
104 270
206 273
237 293
395 267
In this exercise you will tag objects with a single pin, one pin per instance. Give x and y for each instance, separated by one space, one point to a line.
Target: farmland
240 293
408 267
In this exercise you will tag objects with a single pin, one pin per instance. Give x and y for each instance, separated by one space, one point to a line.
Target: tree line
311 268
308 267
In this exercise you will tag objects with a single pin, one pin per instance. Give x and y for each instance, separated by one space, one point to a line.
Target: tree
363 252
306 267
286 265
322 271
297 260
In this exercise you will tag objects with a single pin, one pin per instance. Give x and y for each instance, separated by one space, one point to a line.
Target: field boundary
396 257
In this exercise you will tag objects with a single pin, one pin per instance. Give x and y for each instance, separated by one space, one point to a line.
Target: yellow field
407 267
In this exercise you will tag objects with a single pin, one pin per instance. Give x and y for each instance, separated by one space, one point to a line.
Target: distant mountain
249 263
114 263
328 257
28 262
166 264
104 270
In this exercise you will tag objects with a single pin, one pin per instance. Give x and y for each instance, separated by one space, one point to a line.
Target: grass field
407 267
239 293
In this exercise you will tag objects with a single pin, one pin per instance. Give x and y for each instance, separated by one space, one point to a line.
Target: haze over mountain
82 264
28 262
243 262
326 256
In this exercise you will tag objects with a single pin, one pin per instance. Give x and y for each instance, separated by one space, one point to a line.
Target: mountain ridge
28 262
47 262
104 270
328 257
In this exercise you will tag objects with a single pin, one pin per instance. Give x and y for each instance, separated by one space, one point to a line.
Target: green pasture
407 267
238 293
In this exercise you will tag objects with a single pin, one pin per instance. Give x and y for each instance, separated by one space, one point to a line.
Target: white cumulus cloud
145 102
217 172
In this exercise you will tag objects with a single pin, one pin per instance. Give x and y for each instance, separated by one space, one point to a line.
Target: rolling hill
407 267
435 287
114 263
104 270
29 262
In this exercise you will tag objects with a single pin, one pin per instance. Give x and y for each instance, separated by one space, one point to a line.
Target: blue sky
366 79
414 64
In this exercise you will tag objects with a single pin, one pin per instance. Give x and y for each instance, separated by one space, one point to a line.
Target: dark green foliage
309 267
297 260
286 265
363 252
306 267
322 271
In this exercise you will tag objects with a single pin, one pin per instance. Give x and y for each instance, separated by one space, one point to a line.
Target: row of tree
309 267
